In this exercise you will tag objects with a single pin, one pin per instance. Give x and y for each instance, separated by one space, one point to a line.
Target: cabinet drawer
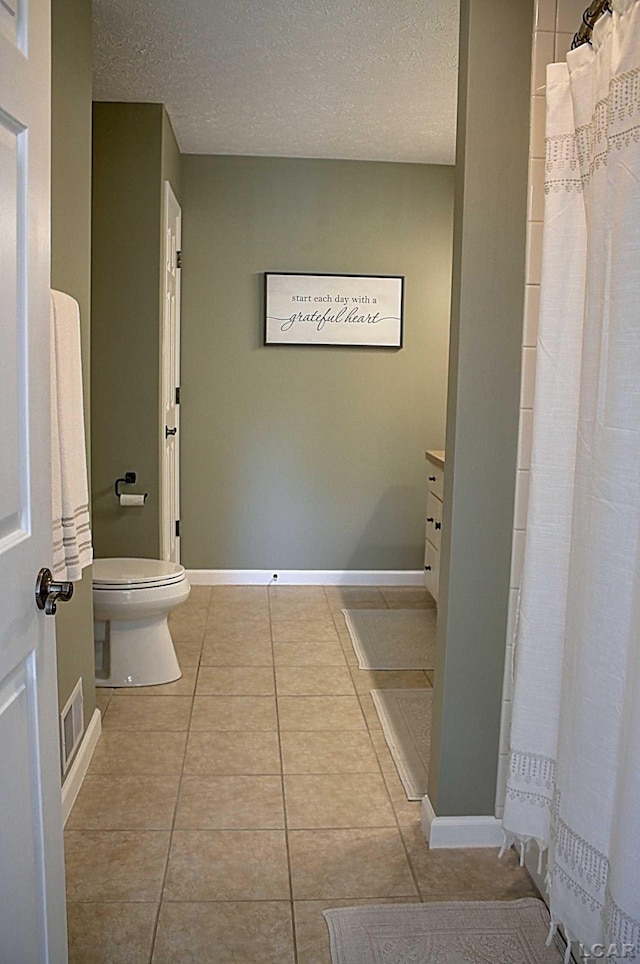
435 479
432 570
434 519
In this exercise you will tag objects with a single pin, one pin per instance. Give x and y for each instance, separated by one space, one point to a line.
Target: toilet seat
131 574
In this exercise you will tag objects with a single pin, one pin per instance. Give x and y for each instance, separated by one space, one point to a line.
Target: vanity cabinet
433 530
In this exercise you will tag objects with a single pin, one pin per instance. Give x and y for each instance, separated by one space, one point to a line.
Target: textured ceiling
361 79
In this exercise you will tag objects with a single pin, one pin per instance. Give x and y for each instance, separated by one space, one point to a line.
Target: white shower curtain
574 771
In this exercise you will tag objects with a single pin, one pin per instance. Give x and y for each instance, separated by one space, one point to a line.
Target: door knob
48 592
170 431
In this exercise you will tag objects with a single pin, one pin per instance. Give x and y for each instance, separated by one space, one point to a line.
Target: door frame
167 523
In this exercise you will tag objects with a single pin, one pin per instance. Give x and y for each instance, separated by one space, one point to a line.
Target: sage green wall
484 386
71 272
309 458
133 150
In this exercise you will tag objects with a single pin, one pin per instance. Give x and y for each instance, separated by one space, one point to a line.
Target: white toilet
132 599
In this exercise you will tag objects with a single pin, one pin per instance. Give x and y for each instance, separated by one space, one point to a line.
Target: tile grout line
395 815
284 802
156 902
414 876
175 809
335 616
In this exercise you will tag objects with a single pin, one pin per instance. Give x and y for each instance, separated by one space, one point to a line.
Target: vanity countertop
437 457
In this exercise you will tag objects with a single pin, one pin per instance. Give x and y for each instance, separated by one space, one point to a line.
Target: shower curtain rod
593 13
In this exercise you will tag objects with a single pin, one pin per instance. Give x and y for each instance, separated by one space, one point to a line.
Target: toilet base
137 653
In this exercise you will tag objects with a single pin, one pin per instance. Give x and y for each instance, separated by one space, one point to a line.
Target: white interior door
32 897
170 381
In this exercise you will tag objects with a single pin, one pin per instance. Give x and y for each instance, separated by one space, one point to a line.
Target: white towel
72 548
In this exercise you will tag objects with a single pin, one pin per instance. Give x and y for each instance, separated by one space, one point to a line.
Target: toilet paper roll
127 500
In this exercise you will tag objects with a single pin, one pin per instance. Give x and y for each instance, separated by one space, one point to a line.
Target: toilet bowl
132 599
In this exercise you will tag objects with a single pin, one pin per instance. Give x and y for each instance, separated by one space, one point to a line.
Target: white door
32 895
170 382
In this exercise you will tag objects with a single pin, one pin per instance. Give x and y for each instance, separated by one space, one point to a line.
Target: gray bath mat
452 932
405 716
392 638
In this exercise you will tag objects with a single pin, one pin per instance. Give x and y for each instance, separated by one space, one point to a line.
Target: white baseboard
306 577
456 832
78 769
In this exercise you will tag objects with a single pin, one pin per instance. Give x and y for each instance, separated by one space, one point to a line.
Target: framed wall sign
333 309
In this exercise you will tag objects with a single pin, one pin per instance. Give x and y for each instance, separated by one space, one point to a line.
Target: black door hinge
177 396
178 527
178 259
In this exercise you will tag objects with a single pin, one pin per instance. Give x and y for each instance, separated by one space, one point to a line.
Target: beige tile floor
223 813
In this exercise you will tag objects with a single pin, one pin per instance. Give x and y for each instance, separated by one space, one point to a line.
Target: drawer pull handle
438 525
427 568
430 519
432 478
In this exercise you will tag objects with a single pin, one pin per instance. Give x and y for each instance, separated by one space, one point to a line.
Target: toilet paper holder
128 479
